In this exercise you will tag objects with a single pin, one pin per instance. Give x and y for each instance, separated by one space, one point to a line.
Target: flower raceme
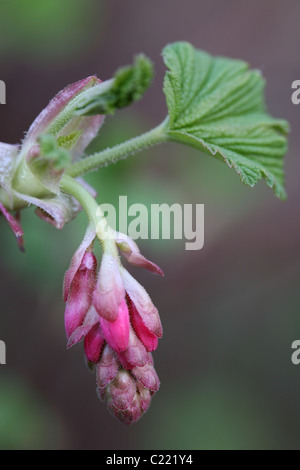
119 324
112 312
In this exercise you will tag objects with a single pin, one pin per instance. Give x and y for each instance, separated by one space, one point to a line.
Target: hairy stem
156 136
94 213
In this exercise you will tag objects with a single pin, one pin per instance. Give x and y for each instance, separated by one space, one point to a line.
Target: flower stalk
156 136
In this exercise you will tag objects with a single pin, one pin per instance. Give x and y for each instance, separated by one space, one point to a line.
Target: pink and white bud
122 390
107 368
145 396
77 259
135 354
126 397
147 376
90 321
109 292
129 416
80 295
131 252
142 302
149 340
126 391
116 332
93 344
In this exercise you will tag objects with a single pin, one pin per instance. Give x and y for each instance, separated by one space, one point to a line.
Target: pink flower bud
142 302
145 396
77 259
127 393
90 321
109 292
107 367
118 398
131 252
147 376
135 354
80 295
129 416
149 340
116 332
93 344
122 390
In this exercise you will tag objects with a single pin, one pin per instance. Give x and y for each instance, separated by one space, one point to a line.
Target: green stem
156 136
94 213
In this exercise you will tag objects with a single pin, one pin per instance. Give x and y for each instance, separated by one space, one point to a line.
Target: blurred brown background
230 311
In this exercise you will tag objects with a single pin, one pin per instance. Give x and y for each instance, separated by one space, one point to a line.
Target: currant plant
216 105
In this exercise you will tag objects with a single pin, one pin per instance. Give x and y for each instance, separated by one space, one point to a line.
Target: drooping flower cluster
110 310
119 324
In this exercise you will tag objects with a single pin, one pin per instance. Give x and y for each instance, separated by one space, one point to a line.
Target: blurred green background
230 311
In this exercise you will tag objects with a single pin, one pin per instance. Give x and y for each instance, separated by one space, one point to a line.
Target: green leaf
217 105
128 85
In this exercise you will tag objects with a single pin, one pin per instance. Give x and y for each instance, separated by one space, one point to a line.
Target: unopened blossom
79 298
120 327
28 175
126 393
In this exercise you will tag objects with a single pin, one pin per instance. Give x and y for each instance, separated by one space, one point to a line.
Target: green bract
127 86
217 105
